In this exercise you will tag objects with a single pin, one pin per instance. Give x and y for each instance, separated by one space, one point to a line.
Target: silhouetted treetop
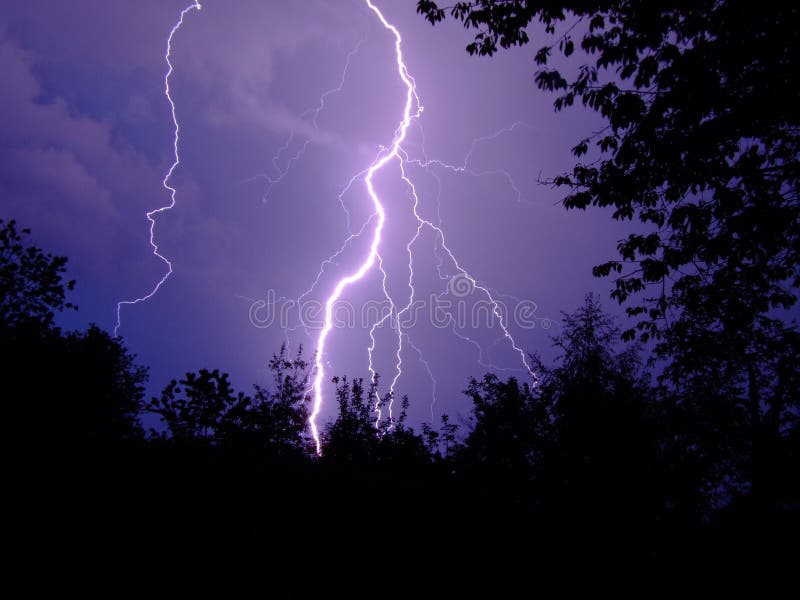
198 406
32 287
204 407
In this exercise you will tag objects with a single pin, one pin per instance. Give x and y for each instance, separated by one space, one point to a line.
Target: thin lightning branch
314 112
429 371
176 161
492 137
372 256
392 314
426 163
482 351
465 274
344 191
398 371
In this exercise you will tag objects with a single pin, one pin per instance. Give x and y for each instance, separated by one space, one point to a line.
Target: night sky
87 139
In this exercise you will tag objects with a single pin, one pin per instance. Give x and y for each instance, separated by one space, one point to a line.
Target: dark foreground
161 522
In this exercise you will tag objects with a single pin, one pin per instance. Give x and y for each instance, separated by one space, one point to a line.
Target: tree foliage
367 432
512 426
106 383
701 145
204 407
32 286
702 108
604 417
62 390
592 453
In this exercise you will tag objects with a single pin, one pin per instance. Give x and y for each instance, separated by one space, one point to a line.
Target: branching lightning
373 257
464 273
374 224
165 182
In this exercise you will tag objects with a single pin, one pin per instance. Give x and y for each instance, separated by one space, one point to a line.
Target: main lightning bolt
412 110
372 255
165 182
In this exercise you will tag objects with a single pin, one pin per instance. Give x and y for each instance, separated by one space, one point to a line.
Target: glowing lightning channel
369 261
165 182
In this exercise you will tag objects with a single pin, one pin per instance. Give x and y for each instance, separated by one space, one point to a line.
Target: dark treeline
601 478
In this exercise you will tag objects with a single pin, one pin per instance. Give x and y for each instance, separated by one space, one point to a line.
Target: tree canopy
701 102
32 286
231 485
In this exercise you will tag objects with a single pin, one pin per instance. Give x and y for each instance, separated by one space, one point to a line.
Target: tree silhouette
593 453
352 437
197 408
512 426
586 437
358 437
80 389
204 407
32 288
278 418
105 383
442 443
737 403
701 142
606 460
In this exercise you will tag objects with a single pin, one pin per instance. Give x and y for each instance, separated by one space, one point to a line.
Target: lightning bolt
395 316
373 257
412 110
165 182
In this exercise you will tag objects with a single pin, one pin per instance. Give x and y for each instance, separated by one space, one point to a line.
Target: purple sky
86 141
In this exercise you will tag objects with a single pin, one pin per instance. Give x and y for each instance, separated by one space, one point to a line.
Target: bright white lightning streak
165 182
395 315
330 260
372 256
282 173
